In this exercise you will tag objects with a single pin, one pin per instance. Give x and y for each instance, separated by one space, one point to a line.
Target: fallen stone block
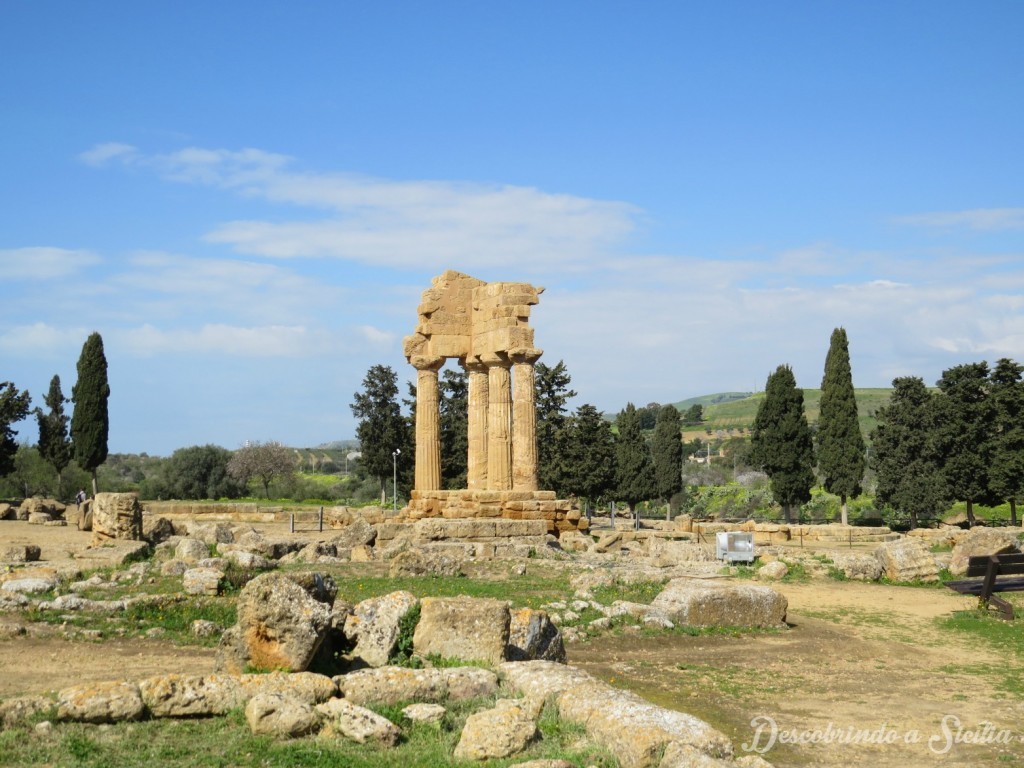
348 720
276 714
466 628
108 702
704 603
497 733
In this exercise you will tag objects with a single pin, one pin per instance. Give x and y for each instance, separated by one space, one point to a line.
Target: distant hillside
708 400
736 411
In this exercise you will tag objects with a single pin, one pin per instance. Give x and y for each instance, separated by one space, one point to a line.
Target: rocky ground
860 663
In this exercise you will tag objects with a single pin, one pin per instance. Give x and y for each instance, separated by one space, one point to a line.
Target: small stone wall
559 515
766 534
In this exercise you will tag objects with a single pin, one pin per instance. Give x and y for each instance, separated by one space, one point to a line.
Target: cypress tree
54 444
382 429
966 434
634 469
781 444
905 453
590 455
90 422
667 451
14 407
1007 468
840 443
454 407
552 390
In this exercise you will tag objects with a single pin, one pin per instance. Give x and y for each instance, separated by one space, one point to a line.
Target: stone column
476 429
499 425
428 424
524 420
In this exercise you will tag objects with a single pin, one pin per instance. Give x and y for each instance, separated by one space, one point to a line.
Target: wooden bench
992 569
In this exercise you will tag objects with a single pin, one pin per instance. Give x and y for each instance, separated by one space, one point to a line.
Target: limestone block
348 720
701 603
907 560
191 695
471 629
110 702
191 550
21 553
424 562
858 566
211 533
496 733
276 714
374 625
116 516
202 581
516 528
773 571
280 626
981 541
532 635
28 585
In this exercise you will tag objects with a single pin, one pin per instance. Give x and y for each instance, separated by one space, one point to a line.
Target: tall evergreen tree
667 452
54 443
382 429
13 408
454 406
840 443
905 453
634 467
552 392
1006 390
590 455
966 434
90 421
781 444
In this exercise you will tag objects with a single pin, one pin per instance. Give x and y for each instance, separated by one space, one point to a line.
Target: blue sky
246 199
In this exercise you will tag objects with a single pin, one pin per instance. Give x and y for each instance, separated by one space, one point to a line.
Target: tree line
83 437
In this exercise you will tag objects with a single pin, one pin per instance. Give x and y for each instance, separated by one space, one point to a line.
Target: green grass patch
633 592
220 742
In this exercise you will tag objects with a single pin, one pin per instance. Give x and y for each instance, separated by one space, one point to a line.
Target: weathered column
428 423
524 420
476 430
499 425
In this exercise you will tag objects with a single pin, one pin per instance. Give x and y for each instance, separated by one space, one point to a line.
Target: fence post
291 523
321 519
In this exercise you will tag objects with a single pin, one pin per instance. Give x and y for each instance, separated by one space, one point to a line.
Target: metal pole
394 480
321 519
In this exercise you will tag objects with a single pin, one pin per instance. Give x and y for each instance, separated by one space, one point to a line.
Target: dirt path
861 663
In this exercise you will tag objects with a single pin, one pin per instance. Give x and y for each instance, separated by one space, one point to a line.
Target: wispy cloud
980 219
235 341
42 339
102 154
44 263
421 224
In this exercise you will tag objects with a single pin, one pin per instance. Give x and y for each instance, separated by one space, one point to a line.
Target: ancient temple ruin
485 327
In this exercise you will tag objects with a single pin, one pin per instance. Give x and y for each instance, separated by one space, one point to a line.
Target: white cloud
41 339
43 263
422 224
234 341
376 336
982 219
102 154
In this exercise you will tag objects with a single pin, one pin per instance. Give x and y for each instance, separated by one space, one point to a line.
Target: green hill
736 411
